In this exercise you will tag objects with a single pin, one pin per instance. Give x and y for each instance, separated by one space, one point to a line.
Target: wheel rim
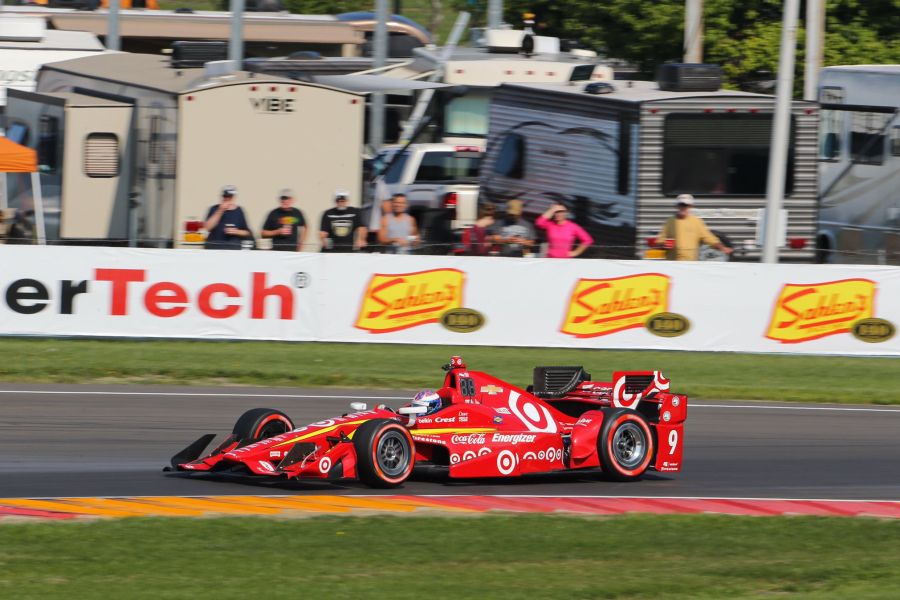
392 454
271 429
629 445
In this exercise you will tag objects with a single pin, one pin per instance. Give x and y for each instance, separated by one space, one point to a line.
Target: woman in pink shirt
562 233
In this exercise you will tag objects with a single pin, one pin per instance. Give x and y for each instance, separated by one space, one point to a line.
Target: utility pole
379 54
781 131
495 14
815 48
236 43
693 31
112 26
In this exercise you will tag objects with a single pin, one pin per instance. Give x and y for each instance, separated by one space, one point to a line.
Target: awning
15 158
374 83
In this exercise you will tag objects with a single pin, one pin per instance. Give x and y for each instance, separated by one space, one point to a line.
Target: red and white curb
200 506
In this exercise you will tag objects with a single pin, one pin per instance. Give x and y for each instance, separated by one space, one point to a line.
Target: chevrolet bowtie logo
491 390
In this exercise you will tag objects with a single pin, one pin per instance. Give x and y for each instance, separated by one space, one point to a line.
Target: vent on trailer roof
193 55
685 77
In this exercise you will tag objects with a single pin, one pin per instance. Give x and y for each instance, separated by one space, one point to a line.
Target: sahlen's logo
811 311
873 330
603 306
396 301
666 324
462 320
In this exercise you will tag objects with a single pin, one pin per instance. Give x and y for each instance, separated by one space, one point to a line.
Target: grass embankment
700 374
639 556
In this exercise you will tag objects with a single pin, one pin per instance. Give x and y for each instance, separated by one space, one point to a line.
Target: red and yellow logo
603 306
402 300
805 312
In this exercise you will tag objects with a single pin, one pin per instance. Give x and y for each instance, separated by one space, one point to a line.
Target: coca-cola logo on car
473 439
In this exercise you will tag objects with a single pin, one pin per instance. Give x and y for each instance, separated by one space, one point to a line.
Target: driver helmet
429 399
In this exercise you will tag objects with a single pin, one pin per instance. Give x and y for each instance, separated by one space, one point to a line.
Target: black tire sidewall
249 423
364 441
612 420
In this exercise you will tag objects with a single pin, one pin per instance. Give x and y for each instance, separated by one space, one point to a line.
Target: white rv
134 150
618 154
26 44
859 158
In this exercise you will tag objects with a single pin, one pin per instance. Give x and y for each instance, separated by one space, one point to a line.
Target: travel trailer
26 43
859 160
264 34
618 154
135 150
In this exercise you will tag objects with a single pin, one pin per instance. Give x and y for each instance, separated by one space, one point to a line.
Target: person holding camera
226 225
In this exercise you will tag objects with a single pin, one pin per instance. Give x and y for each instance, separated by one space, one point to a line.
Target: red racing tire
261 423
385 453
625 444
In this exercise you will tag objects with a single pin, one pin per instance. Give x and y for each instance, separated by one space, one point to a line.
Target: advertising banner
810 309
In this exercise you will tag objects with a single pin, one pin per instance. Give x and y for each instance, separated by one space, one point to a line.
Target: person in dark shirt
285 225
341 228
226 224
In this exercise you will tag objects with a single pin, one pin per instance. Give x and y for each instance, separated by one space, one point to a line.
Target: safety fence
818 309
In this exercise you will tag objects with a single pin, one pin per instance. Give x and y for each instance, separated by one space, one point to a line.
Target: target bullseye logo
325 465
506 462
535 417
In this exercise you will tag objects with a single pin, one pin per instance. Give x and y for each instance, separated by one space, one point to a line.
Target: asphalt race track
58 440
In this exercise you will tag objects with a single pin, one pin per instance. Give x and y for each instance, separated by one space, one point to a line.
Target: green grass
698 374
482 557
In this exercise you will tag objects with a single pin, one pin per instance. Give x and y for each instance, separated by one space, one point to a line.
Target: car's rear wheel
261 423
625 444
384 453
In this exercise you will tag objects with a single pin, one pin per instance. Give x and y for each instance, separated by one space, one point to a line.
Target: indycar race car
481 426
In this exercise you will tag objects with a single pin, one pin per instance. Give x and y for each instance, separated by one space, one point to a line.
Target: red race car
474 426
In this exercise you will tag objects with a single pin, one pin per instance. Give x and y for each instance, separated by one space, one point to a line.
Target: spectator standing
515 234
341 229
562 233
226 225
476 239
398 229
285 225
686 233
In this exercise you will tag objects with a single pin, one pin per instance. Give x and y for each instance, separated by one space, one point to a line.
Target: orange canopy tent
16 158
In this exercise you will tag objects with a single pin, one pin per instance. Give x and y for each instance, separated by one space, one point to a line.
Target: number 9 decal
673 441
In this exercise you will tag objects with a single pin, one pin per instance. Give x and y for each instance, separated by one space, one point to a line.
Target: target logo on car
533 415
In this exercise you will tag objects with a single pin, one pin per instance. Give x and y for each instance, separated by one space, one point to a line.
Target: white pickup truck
440 182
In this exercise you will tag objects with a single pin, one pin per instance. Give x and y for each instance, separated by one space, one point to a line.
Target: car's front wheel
260 424
384 453
625 444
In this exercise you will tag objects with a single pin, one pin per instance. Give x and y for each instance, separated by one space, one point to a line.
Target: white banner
810 309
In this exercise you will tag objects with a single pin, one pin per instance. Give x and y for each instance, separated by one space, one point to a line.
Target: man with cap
683 233
226 225
341 228
514 234
285 225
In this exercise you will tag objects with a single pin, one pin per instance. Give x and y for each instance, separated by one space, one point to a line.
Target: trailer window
101 155
511 158
867 131
467 116
832 124
719 155
448 166
48 145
